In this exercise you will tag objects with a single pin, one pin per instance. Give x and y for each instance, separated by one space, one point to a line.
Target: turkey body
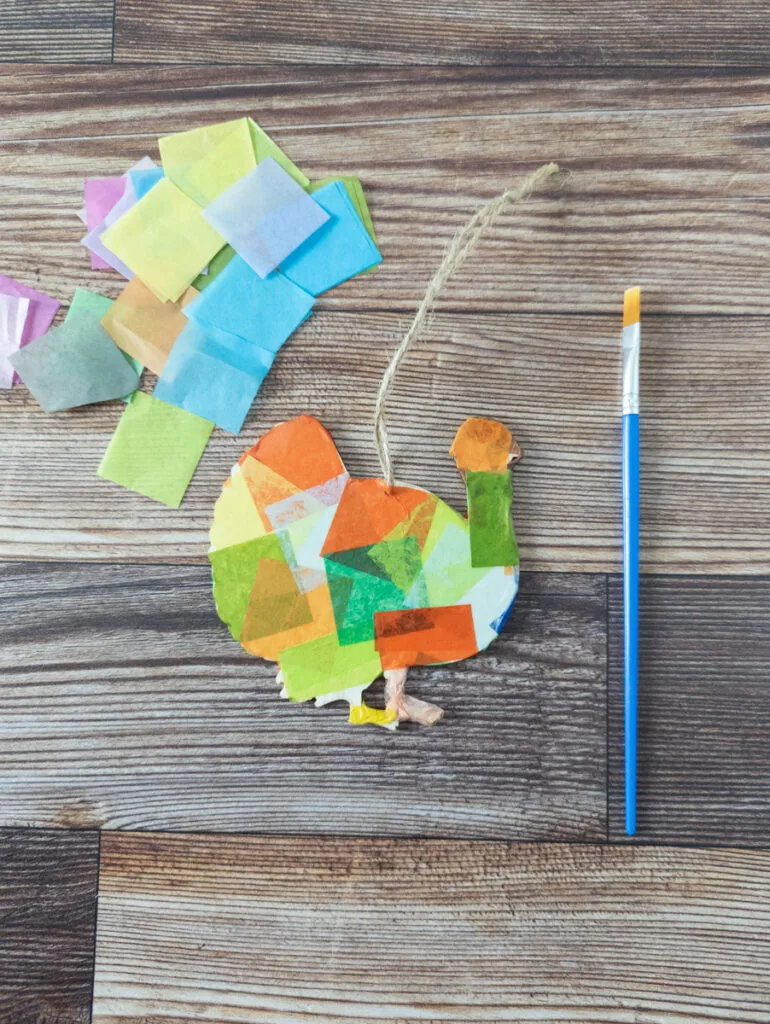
339 579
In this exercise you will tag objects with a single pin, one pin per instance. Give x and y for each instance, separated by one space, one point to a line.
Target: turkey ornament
340 580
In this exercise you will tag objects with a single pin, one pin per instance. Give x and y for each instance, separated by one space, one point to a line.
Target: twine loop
461 246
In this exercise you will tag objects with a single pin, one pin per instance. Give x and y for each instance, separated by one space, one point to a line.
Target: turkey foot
406 708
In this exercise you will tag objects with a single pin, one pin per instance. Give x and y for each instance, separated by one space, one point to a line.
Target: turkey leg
408 709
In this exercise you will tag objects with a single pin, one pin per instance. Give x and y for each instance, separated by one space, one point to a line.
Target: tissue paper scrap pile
225 248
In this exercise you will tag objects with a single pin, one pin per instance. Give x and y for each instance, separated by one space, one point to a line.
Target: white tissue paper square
13 316
265 216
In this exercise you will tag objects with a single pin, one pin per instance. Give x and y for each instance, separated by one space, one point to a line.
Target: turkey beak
515 454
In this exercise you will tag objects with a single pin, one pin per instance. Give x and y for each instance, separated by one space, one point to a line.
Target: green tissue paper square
155 449
235 570
75 364
86 301
93 304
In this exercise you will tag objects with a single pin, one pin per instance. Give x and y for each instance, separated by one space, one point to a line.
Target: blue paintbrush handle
630 607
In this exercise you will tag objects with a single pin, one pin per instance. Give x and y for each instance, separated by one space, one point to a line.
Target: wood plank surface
47 924
49 31
666 184
68 101
285 930
554 380
704 718
590 33
655 169
127 705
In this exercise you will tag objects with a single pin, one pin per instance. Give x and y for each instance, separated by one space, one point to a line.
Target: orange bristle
632 301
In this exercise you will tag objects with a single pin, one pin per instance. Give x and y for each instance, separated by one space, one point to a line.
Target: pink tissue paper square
101 195
93 239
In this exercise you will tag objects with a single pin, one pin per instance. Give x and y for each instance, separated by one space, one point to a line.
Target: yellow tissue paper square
165 240
205 162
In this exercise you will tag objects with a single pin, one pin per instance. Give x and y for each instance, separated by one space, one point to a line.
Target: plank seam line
527 75
725 69
48 829
761 852
96 924
609 113
607 704
198 561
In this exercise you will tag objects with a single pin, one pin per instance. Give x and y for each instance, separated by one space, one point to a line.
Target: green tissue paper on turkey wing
357 559
493 542
324 665
276 604
234 570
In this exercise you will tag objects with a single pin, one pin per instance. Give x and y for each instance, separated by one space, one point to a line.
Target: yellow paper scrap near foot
362 714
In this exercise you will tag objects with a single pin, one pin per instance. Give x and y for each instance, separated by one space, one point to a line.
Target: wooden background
258 862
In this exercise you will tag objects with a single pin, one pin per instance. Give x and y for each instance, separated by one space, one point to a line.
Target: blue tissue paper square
143 180
262 310
338 250
213 374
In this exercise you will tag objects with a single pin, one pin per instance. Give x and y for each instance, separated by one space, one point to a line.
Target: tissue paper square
165 240
213 374
263 310
75 364
341 249
143 326
13 315
155 449
265 216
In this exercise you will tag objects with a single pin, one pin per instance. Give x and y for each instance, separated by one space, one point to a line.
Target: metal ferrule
631 341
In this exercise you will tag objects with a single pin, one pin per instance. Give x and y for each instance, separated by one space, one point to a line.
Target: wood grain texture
126 704
47 923
69 102
48 31
523 32
554 380
666 184
704 719
278 930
